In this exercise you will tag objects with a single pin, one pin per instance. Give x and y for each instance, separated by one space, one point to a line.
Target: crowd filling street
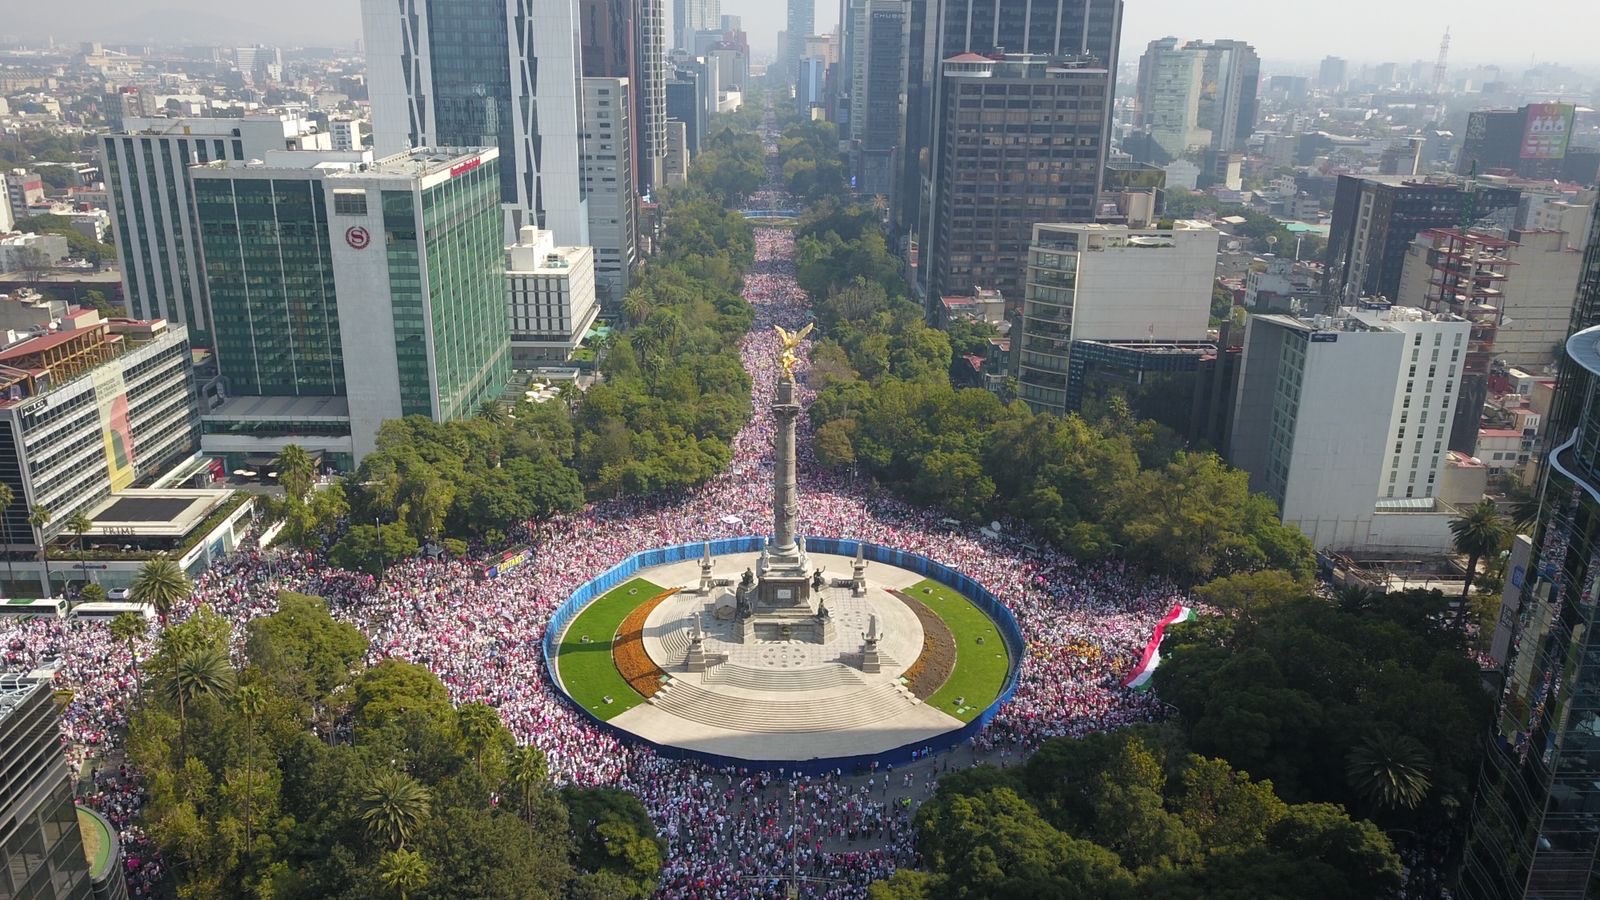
731 832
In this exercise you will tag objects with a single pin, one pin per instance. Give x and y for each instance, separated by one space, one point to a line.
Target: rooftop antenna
1442 67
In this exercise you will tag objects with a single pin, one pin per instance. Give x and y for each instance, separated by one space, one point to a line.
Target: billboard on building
1546 130
116 433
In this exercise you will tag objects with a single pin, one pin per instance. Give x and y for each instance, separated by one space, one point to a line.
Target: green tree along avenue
1135 814
255 790
1375 707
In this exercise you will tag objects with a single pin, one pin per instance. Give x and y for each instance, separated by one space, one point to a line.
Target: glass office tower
1535 826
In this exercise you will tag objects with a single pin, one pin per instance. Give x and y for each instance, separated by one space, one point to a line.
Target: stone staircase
867 706
821 678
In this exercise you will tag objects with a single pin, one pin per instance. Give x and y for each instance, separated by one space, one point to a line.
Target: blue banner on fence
989 603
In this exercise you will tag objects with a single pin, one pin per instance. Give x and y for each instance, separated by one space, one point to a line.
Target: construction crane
1442 67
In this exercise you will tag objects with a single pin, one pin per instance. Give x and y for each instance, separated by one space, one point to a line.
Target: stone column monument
785 579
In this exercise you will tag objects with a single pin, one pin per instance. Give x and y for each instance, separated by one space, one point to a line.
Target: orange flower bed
938 659
627 650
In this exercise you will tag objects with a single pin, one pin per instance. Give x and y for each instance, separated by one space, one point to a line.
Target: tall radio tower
1442 67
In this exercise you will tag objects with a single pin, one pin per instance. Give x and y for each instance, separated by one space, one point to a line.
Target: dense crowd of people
731 833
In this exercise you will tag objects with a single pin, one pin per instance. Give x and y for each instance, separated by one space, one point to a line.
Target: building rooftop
417 163
300 409
14 689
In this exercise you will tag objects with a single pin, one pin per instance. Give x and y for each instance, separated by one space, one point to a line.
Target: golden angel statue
786 359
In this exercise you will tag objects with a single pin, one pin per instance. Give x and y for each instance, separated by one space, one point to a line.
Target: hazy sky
1362 30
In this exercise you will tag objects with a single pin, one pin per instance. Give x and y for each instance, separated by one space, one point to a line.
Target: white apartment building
550 297
1108 282
609 180
1344 421
147 186
347 134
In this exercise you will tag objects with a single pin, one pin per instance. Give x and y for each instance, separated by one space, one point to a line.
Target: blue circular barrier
927 568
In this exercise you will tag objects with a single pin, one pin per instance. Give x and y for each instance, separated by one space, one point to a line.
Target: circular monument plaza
772 651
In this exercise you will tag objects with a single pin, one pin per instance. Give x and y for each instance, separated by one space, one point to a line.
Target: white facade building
608 179
550 297
19 251
147 186
1108 282
447 86
347 134
1345 420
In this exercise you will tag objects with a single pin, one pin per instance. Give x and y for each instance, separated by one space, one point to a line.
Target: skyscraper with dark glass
1535 824
938 31
485 73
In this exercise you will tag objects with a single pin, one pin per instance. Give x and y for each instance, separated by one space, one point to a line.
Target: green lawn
980 670
587 671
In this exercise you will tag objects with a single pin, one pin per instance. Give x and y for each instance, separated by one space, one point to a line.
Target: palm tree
1389 771
479 722
492 411
201 670
1524 506
79 524
129 628
161 584
394 806
39 517
251 702
636 306
1356 598
6 499
403 871
1480 531
295 470
529 774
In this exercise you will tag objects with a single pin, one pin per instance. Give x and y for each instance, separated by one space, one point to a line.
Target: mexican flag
1139 678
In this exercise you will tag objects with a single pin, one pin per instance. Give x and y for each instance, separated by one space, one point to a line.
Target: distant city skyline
1363 31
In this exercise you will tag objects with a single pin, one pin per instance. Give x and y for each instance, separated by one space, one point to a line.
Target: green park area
982 659
588 672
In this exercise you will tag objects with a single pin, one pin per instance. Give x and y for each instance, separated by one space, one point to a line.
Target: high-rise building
1531 141
1375 218
485 73
549 298
90 409
811 85
259 64
23 189
939 31
802 23
877 48
608 180
1342 420
147 185
627 39
1230 81
1533 829
690 16
1332 74
1199 95
1107 283
1168 101
350 290
650 91
676 163
41 845
684 103
992 183
1518 286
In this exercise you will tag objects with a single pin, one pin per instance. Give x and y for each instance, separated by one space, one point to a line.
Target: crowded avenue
732 833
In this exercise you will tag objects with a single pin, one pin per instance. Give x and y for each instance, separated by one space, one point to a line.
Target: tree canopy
1135 814
257 789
